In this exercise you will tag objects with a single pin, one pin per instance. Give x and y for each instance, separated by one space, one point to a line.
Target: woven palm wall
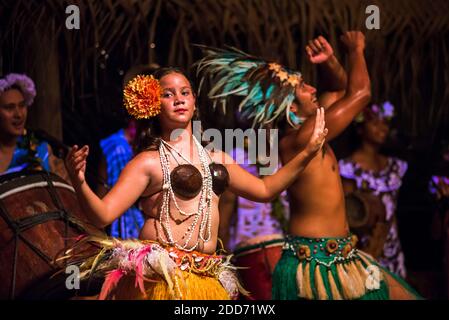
80 71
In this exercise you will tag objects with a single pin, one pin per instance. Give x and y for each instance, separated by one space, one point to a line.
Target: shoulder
289 145
146 160
150 156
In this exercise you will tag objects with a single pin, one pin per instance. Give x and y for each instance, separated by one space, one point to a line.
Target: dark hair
148 131
141 69
162 72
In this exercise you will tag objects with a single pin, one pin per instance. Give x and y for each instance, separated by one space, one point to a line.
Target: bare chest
324 163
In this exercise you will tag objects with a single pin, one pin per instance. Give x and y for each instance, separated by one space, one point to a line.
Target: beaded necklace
202 215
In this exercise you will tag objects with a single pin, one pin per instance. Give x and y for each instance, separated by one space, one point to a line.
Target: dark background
79 73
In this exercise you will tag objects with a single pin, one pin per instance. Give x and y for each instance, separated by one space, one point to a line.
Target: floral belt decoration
332 268
307 248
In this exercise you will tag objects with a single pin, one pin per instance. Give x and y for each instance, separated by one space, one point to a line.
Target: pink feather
110 282
139 262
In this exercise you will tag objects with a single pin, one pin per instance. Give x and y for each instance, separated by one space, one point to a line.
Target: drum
364 210
366 215
257 259
39 217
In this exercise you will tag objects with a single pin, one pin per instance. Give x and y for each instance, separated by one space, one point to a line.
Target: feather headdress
267 88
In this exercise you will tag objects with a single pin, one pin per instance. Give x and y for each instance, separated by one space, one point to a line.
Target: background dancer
370 172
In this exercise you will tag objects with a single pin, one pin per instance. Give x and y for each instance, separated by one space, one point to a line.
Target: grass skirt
333 269
135 269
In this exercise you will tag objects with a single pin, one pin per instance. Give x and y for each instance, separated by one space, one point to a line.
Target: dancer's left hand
319 50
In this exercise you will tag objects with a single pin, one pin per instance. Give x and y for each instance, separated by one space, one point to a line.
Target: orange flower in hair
142 97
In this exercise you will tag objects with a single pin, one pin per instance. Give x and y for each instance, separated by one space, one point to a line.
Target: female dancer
181 183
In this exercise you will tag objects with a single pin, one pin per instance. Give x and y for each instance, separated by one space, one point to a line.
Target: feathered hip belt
149 261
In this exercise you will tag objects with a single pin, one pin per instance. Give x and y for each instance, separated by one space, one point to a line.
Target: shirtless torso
316 198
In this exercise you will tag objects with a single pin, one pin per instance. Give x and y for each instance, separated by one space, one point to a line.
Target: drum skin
26 199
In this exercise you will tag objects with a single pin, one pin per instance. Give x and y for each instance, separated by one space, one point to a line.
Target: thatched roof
408 56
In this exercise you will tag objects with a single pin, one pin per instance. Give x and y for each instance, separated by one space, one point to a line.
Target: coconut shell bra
186 179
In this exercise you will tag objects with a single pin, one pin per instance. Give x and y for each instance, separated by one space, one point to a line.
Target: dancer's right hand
75 163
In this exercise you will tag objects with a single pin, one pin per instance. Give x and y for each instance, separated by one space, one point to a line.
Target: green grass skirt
330 269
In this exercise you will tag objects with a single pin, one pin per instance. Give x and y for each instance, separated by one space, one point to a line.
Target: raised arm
333 75
248 186
132 182
358 92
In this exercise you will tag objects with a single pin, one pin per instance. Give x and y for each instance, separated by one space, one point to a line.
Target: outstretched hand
319 50
318 135
75 163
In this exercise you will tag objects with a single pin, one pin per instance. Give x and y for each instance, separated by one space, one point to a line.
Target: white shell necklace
202 215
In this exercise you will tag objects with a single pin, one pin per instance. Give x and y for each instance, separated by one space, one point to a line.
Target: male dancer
319 260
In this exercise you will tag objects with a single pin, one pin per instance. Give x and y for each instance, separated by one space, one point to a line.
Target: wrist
329 62
77 184
357 50
309 153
